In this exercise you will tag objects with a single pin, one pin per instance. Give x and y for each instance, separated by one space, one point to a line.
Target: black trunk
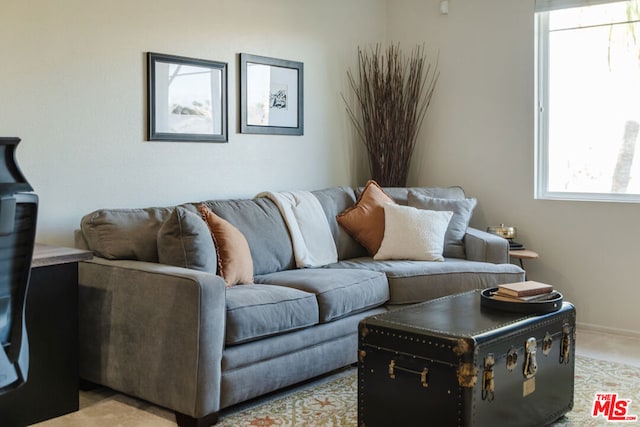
451 362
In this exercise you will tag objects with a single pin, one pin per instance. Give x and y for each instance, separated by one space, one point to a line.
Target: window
588 99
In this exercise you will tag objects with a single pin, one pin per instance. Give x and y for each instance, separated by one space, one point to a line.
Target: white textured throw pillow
414 234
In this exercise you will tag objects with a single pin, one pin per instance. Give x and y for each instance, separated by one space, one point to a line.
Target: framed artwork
187 99
271 95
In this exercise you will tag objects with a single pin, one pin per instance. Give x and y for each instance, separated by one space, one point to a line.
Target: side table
51 389
521 254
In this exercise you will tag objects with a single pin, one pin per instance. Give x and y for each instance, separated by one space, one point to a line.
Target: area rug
332 402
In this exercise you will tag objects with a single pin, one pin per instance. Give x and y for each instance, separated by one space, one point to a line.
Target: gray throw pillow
124 233
184 240
462 210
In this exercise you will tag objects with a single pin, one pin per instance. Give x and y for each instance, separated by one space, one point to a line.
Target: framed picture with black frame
271 95
187 99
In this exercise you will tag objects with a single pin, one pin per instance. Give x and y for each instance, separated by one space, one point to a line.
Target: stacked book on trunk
528 291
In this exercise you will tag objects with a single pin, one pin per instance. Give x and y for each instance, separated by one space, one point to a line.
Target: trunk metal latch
530 363
565 348
547 343
487 378
512 359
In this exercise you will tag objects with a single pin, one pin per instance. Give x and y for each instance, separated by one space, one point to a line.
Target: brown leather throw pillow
364 221
235 264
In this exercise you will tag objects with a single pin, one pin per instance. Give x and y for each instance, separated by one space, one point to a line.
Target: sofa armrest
153 331
482 246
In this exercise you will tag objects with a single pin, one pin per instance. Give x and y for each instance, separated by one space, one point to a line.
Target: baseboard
589 327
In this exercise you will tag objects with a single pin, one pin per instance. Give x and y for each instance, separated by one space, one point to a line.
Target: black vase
18 217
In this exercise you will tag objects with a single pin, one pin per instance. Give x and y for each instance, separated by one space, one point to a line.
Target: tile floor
617 348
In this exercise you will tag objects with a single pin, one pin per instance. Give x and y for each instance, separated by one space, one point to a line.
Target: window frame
541 157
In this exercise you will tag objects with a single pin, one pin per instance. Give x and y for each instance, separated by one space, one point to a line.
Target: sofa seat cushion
257 311
251 353
416 281
340 292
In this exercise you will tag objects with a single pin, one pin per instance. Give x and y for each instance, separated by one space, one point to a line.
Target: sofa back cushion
334 201
124 233
260 222
401 194
457 228
184 240
234 257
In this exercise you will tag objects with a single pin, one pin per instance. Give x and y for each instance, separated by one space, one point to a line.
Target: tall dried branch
392 96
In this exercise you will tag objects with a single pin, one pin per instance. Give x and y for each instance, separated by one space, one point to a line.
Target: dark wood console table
52 326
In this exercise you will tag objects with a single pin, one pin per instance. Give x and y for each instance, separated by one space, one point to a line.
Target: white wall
72 86
480 134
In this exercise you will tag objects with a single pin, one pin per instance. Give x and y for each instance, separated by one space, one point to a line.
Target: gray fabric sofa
176 336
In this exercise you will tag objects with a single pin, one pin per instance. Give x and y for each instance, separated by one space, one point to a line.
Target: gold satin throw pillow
364 221
235 264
